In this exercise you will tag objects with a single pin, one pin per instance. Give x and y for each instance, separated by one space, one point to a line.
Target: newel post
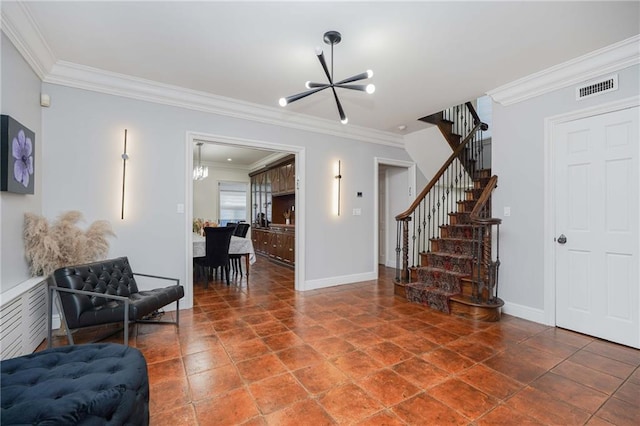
405 250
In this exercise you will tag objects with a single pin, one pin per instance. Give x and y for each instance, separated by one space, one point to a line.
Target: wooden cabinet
276 242
287 178
286 246
273 193
261 199
272 196
274 177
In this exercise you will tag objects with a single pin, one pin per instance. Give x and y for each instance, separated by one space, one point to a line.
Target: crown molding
93 79
18 24
20 27
609 59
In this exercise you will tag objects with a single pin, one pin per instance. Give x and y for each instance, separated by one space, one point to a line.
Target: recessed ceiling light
402 127
228 159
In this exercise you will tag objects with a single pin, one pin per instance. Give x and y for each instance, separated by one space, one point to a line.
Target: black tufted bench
106 292
94 384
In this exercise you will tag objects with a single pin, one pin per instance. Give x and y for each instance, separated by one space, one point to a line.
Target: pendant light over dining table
200 172
332 38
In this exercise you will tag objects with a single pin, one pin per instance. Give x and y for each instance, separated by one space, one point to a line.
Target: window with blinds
232 202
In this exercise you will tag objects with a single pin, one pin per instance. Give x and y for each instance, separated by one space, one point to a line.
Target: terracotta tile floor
263 354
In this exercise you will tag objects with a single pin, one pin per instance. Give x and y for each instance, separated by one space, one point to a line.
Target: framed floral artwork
17 148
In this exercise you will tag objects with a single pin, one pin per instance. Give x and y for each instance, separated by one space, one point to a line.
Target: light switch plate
180 208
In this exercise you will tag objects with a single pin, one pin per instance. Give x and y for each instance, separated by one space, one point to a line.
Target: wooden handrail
482 201
476 117
438 175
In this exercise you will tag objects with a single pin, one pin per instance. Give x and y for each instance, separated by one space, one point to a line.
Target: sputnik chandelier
332 38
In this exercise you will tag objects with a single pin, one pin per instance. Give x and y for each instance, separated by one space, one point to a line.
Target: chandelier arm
324 66
360 87
311 85
299 96
358 77
332 38
343 117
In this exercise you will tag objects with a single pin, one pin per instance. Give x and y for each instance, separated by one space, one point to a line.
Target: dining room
224 195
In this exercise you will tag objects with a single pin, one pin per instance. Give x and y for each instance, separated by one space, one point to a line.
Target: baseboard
341 280
524 312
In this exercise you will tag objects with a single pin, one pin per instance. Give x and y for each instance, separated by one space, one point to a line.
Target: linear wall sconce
336 187
125 157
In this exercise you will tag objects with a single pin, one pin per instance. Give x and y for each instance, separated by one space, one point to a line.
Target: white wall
428 149
20 99
83 169
518 160
205 192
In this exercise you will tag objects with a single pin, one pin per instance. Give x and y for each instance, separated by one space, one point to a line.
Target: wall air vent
594 88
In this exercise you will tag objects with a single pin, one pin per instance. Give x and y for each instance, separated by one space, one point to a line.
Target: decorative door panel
597 203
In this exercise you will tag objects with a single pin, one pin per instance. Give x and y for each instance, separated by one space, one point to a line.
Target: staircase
445 281
447 231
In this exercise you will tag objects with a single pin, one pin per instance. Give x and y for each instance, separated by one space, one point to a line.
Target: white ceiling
425 55
239 157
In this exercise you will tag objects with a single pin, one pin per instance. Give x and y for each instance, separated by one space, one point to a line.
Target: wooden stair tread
452 255
432 288
452 239
432 268
460 298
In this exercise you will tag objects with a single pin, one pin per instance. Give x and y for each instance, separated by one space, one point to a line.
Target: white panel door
597 202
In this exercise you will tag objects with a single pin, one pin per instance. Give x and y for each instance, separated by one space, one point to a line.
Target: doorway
299 153
395 183
596 220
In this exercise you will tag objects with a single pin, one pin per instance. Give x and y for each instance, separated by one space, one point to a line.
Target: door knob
562 239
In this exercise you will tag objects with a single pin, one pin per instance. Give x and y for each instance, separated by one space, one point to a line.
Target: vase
287 221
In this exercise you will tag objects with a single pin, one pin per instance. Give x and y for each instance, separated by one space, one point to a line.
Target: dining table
238 245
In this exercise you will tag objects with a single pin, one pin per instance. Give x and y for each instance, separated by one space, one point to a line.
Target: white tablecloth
237 246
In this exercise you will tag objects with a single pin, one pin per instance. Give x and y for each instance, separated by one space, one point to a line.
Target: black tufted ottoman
95 384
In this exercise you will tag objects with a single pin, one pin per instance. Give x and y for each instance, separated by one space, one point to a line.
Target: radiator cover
23 318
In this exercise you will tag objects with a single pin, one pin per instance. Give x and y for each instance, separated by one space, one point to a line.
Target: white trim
524 312
602 61
88 78
300 161
20 27
411 187
21 288
189 149
339 280
549 231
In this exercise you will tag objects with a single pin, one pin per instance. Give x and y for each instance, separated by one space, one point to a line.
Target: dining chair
241 231
217 242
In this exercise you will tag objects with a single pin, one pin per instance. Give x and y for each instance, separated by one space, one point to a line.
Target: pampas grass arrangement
49 247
